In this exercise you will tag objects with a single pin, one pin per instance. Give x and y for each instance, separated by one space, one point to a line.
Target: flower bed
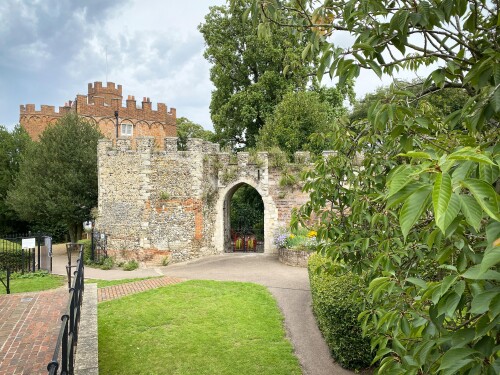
294 249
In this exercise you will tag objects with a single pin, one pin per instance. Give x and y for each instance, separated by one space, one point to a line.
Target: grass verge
195 327
33 282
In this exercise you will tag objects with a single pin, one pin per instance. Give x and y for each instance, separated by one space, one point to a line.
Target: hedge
336 311
87 251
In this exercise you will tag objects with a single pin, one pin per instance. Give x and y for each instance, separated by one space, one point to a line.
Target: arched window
127 129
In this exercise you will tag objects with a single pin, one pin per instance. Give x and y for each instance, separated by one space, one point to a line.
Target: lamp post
116 117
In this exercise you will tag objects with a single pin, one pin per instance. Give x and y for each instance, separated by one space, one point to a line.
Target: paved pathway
29 326
117 291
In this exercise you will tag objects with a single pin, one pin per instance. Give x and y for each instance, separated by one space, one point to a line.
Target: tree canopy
188 129
249 73
295 119
12 146
57 180
410 202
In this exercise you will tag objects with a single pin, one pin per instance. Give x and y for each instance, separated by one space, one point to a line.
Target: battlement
100 106
147 145
105 93
45 110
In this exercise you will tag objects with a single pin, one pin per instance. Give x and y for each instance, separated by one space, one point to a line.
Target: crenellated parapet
45 110
107 93
148 144
99 107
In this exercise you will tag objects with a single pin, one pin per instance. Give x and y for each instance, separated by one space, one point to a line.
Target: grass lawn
33 282
195 327
105 283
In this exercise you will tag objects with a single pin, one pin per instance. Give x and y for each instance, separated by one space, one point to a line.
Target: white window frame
126 129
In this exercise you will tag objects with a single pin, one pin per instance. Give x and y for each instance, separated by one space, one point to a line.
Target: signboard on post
28 243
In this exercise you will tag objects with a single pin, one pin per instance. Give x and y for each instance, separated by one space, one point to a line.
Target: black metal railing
11 246
63 362
14 257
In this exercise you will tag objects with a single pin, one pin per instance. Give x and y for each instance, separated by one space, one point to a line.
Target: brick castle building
102 106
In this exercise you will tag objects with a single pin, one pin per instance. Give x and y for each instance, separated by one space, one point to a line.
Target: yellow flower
292 235
312 233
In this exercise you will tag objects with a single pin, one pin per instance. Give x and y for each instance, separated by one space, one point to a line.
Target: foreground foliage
197 327
411 199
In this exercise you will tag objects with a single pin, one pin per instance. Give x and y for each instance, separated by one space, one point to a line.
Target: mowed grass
195 328
33 282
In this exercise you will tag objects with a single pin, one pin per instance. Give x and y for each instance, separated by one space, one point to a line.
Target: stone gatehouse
160 203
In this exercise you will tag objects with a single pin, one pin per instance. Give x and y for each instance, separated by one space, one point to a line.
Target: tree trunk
79 231
72 230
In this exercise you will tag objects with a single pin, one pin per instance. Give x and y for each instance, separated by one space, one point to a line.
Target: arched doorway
246 220
223 239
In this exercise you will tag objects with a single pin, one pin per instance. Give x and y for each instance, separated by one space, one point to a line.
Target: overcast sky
51 49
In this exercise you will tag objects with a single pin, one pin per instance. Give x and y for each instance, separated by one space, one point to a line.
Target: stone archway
222 235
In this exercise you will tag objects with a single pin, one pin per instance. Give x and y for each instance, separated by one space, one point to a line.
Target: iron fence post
38 238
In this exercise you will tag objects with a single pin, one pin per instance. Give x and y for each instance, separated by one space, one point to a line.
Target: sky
51 49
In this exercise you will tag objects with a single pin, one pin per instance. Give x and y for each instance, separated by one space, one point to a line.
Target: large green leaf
475 273
485 195
471 210
469 153
399 179
481 302
491 258
455 358
446 204
413 208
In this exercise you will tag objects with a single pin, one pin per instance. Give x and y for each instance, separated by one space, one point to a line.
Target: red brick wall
100 106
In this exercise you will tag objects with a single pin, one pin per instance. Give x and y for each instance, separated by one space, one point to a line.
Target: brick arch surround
222 235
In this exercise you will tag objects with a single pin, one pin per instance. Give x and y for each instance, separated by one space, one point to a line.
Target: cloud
51 49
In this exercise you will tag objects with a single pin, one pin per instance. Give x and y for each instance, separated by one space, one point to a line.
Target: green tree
442 103
411 194
295 119
249 74
12 146
188 129
57 180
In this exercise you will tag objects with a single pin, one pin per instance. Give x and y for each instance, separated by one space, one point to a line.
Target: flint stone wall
168 205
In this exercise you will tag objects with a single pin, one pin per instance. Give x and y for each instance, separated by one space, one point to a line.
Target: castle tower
99 107
108 92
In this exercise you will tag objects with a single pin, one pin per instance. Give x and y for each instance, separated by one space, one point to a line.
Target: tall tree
12 146
249 74
57 181
189 129
296 118
418 216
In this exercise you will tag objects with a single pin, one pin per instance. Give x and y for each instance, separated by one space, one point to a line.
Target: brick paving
116 291
30 323
29 326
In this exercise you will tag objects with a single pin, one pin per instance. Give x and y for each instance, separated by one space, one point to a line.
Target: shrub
87 251
336 309
130 265
107 263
